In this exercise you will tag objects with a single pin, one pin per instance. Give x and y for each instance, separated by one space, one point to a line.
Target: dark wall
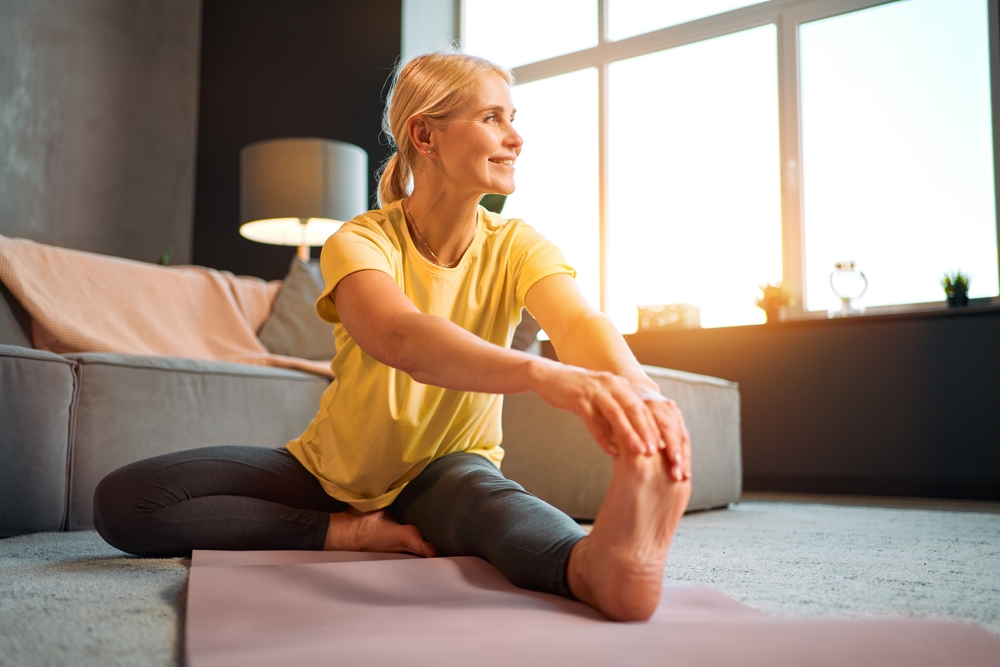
884 405
98 104
273 68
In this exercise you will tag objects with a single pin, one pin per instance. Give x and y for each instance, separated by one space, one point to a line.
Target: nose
513 140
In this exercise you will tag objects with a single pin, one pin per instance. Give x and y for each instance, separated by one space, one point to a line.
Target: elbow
414 364
400 349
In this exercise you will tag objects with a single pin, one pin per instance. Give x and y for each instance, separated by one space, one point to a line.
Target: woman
403 454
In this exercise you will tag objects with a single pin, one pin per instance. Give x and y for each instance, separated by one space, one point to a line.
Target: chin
506 189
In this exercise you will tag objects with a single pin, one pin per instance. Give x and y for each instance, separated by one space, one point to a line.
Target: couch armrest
552 455
36 425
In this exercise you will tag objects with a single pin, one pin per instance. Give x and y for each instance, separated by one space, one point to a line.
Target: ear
421 134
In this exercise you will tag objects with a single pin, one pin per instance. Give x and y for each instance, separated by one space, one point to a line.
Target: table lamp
299 191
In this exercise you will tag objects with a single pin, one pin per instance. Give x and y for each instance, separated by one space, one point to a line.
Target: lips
505 161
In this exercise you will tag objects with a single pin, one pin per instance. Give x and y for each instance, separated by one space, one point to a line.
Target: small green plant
955 284
165 257
774 297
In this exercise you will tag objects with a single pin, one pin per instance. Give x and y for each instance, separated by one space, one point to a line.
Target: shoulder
511 231
378 227
377 221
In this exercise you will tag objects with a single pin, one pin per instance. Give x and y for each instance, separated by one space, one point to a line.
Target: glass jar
849 283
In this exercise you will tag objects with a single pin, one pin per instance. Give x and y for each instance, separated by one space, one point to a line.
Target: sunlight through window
695 210
634 17
898 150
525 31
556 173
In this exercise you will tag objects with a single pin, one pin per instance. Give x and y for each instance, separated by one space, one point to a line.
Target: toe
415 543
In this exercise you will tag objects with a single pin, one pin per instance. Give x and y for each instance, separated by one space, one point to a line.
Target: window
704 147
627 18
560 169
695 199
897 150
518 32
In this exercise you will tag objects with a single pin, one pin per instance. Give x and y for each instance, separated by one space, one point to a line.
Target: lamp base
303 253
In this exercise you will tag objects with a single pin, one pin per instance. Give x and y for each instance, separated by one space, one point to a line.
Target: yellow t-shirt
377 428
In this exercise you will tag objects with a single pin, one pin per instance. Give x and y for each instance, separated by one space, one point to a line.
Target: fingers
617 417
625 426
601 432
675 435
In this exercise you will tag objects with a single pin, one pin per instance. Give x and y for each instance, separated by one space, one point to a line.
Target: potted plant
956 288
774 299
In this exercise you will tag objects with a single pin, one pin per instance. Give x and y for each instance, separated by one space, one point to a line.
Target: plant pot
958 298
774 314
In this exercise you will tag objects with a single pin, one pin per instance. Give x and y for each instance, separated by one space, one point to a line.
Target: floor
70 599
842 555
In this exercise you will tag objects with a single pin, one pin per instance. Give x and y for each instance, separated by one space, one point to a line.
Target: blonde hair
434 85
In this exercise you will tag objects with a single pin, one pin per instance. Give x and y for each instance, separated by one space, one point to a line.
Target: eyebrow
496 108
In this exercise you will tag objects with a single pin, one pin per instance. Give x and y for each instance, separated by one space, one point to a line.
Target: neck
446 223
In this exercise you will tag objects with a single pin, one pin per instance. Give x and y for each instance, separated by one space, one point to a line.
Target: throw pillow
293 328
525 334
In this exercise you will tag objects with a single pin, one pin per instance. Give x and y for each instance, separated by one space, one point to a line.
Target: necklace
413 226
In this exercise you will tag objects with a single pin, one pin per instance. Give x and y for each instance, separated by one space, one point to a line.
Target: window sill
908 311
976 307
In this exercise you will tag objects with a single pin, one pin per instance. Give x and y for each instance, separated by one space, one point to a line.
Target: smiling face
477 149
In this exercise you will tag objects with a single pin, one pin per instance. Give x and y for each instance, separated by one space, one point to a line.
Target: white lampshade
299 191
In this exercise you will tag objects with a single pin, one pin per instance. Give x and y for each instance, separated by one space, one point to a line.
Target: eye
491 118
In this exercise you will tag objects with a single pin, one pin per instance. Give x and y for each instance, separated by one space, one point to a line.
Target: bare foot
618 568
374 531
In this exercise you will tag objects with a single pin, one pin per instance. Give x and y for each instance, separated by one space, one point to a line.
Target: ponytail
395 180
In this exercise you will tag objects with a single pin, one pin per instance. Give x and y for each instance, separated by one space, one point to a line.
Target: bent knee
116 515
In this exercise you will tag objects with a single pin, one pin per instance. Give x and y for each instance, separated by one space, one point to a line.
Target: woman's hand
674 436
619 415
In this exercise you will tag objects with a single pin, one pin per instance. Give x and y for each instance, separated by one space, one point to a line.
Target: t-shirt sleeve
353 247
534 257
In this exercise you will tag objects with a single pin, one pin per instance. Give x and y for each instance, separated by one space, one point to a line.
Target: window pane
525 31
634 17
897 150
556 173
695 192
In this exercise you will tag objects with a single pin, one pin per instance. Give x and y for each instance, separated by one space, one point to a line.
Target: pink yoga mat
324 608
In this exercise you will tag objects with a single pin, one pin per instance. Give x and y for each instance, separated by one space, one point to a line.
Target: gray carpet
807 559
70 599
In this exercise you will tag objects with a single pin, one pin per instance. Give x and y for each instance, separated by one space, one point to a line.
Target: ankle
578 573
341 532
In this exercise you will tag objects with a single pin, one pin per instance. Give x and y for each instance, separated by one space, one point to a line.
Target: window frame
787 16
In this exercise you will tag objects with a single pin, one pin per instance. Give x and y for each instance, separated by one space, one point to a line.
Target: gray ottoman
552 455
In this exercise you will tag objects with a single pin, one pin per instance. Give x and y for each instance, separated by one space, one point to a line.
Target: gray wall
98 107
270 69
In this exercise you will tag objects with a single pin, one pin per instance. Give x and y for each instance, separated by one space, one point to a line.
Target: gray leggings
250 498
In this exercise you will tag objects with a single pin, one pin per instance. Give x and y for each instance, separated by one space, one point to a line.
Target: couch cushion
36 423
135 407
293 328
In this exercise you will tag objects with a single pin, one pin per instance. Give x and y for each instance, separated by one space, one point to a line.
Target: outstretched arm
433 350
585 337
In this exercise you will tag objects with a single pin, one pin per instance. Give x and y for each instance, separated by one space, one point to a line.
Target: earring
429 151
